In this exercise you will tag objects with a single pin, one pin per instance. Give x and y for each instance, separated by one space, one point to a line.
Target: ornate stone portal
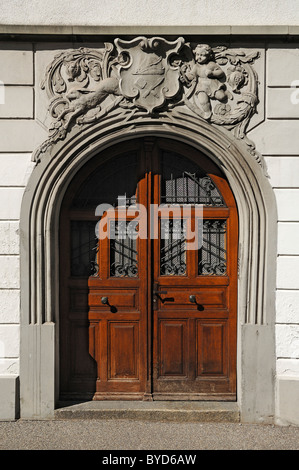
153 78
99 98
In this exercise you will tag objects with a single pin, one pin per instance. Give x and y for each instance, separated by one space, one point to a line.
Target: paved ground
94 434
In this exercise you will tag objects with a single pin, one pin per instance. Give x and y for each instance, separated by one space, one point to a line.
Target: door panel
199 289
173 345
124 299
123 347
178 298
162 318
100 181
118 302
212 342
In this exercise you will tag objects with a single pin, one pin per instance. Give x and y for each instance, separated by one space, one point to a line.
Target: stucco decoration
152 77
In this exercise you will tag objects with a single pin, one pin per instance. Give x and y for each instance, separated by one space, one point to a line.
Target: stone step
151 411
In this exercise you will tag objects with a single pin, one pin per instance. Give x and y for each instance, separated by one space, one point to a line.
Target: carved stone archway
60 159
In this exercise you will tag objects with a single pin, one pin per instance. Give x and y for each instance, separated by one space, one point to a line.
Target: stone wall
16 124
16 115
278 140
153 12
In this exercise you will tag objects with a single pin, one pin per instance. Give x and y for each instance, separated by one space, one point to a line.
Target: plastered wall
150 12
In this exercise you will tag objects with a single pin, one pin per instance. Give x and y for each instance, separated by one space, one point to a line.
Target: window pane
83 248
113 179
123 250
183 182
173 247
212 255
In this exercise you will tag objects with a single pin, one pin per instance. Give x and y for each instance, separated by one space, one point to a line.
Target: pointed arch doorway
156 320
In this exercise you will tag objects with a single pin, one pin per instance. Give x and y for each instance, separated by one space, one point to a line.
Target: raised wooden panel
211 342
210 297
173 348
123 339
124 299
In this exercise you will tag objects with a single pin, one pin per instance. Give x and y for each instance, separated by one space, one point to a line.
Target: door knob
193 300
105 301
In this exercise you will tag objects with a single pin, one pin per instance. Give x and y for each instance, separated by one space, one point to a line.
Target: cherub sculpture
206 74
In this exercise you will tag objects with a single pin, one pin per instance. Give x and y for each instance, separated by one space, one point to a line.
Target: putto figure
207 75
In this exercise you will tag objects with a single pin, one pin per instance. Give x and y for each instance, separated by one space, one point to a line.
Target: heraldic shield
149 73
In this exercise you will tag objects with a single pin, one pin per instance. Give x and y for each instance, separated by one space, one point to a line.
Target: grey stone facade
259 153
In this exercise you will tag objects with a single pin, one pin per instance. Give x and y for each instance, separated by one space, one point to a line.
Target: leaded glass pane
123 249
108 183
212 255
173 247
180 186
83 248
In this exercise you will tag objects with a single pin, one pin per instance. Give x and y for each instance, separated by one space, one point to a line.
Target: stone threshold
177 411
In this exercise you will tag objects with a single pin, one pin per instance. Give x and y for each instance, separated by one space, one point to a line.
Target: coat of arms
148 75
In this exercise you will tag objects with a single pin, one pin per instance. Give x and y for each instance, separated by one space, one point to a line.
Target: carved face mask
201 56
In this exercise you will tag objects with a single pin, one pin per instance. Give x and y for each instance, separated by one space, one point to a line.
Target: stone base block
9 397
288 401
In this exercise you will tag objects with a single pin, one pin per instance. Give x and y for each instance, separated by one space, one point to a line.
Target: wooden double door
160 305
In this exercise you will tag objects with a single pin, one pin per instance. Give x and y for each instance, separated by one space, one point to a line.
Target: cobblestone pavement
94 434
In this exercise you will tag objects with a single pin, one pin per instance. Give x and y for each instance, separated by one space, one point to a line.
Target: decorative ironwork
212 255
187 187
84 246
173 247
123 252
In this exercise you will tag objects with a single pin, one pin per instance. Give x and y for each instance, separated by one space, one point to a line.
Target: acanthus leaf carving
148 77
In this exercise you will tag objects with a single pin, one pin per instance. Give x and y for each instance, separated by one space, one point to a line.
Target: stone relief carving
151 77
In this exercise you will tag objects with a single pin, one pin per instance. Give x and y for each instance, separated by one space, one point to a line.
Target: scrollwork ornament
148 77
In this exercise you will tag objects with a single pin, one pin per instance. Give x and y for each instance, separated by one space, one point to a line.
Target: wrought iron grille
173 247
187 187
123 249
83 248
212 255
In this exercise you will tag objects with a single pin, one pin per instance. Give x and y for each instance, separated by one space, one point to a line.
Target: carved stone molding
39 256
152 78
